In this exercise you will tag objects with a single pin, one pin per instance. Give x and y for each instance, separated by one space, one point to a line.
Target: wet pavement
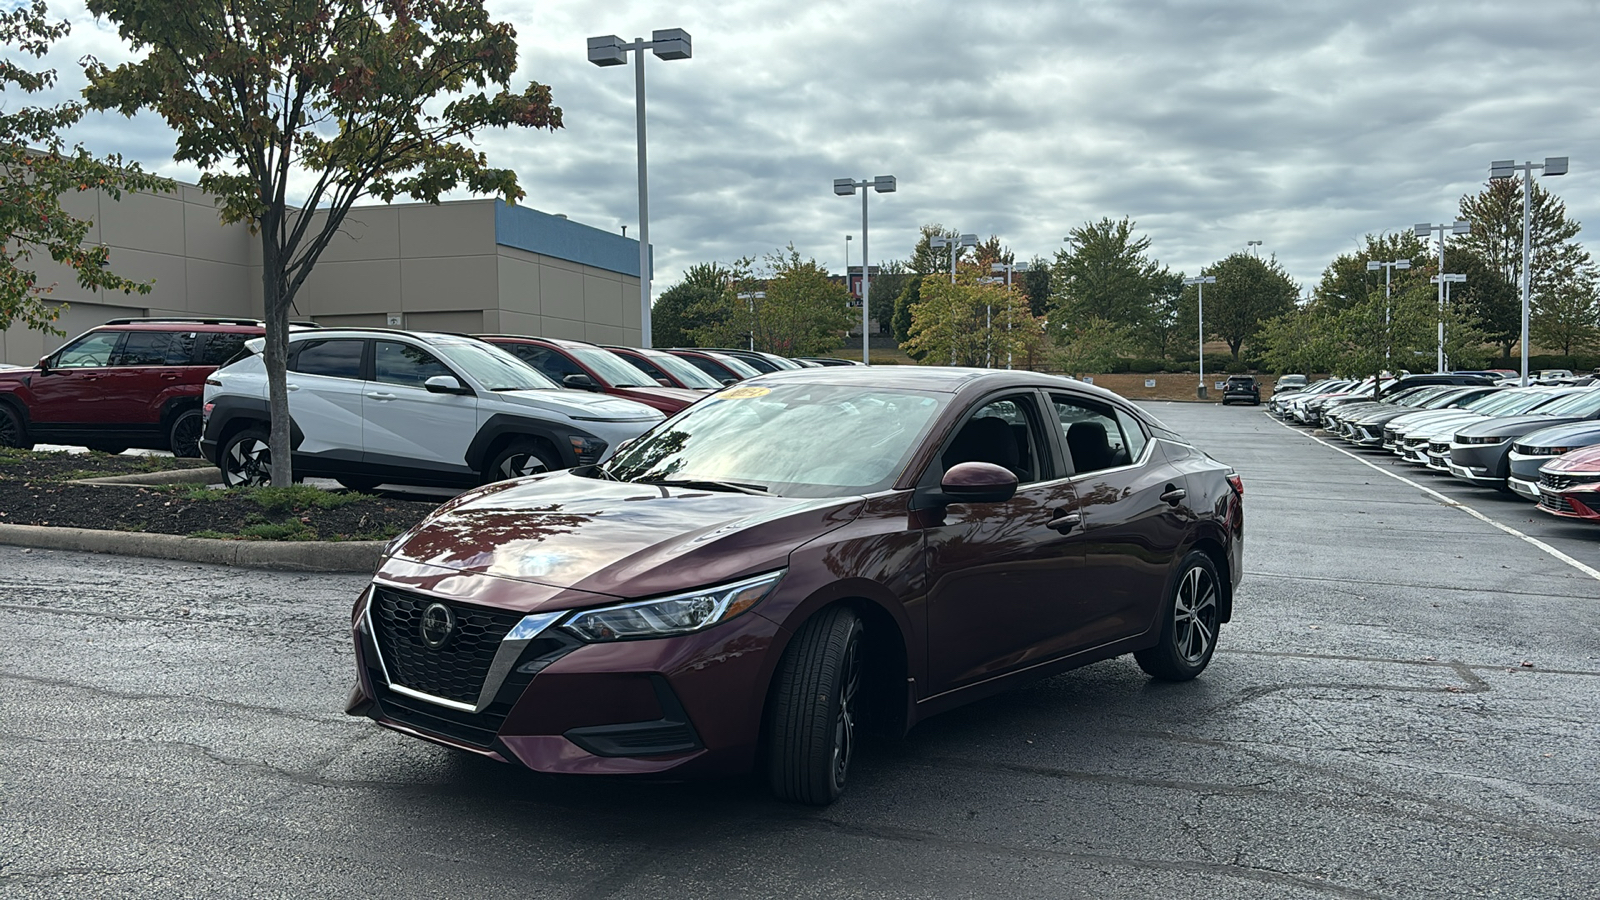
1404 706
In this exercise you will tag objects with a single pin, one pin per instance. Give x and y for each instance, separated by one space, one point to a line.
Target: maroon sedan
795 557
1569 485
590 367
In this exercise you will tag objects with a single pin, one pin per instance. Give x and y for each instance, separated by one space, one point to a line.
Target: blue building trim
537 232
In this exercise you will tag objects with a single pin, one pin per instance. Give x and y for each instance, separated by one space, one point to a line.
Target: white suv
371 406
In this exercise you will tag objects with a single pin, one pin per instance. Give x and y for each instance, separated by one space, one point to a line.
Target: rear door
147 369
325 386
1134 516
1003 584
405 426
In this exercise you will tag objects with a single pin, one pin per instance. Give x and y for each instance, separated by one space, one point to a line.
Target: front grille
1555 502
455 671
1439 448
1558 482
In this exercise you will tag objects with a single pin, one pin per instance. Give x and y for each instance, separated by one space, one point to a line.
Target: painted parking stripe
1581 567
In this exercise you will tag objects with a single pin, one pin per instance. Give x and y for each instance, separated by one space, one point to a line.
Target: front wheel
12 432
1189 623
811 722
246 460
520 458
183 438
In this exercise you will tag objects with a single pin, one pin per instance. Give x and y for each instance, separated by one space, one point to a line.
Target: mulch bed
35 490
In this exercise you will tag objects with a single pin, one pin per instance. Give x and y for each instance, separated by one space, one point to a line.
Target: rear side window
333 358
143 348
397 363
1094 436
219 348
1133 434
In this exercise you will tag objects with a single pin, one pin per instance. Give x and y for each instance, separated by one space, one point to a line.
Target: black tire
520 458
358 483
102 447
183 437
1189 623
12 432
811 715
245 459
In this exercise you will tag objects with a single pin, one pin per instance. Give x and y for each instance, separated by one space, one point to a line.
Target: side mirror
728 381
579 381
44 363
663 382
445 384
978 482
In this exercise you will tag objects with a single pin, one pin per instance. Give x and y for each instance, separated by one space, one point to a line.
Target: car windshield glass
615 370
781 361
800 440
686 374
739 366
1437 400
1527 403
1421 396
492 367
1586 403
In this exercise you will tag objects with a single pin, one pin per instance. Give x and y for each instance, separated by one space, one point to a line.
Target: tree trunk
276 355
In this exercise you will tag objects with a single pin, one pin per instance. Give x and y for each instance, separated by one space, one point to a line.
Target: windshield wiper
707 484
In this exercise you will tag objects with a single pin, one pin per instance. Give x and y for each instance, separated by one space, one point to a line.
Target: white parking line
1581 567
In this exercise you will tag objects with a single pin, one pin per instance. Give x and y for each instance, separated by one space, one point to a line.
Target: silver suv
372 406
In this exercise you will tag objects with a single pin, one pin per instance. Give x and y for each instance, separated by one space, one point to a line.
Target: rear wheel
1188 625
102 447
183 438
358 483
520 458
12 432
811 723
245 459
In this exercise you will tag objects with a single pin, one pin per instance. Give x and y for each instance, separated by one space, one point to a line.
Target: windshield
1586 403
737 366
492 367
1525 403
612 369
686 374
798 440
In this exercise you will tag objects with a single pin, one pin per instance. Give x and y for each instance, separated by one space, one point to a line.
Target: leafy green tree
904 309
1567 316
887 285
1087 345
1249 291
1486 295
1496 216
36 169
1106 273
927 259
968 324
1162 331
1347 280
1036 284
804 312
1304 340
344 99
678 312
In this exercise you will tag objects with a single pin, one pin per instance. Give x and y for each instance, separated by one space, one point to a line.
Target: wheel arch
500 429
1214 549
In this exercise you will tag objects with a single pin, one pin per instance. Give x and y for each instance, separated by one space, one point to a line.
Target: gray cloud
1304 125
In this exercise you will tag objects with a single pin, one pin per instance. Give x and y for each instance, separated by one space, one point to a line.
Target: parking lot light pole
1507 168
1425 230
1200 283
956 245
1009 269
845 187
1388 270
1445 280
610 50
1252 245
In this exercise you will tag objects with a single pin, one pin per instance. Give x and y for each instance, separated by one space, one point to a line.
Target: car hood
581 405
1512 426
14 373
1381 414
1440 427
1429 418
677 395
615 539
1585 461
1572 434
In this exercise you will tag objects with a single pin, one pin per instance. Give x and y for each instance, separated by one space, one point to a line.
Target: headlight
588 450
1480 440
680 614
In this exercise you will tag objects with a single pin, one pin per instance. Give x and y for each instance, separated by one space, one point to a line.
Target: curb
294 556
204 475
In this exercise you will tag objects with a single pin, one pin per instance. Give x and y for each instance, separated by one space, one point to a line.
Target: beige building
466 266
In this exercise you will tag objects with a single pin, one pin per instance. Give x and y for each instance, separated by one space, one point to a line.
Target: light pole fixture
988 313
610 50
1425 230
1444 281
1252 245
752 297
956 245
847 239
845 187
1388 270
1200 283
1508 168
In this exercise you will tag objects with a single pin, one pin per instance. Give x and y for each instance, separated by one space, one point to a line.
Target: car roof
945 379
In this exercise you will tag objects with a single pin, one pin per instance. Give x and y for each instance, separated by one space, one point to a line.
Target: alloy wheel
186 434
844 728
10 431
1194 615
518 465
249 463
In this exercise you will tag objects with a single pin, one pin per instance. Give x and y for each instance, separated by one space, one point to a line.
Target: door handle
1174 495
170 376
377 396
1064 521
292 387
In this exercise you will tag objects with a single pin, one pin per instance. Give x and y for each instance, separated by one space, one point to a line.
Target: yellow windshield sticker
745 393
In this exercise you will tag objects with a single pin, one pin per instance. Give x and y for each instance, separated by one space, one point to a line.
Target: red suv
127 383
590 367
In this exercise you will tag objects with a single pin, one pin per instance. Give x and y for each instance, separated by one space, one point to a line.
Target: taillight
1237 484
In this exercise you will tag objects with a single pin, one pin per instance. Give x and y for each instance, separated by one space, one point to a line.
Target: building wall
462 266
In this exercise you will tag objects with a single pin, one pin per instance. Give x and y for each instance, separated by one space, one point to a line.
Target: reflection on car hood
581 405
1586 461
1572 434
1513 425
616 538
1432 418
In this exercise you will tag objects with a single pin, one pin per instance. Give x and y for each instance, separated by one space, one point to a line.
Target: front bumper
1580 501
1524 488
537 696
1479 463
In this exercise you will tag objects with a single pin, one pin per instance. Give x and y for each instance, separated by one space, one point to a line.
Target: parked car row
1541 442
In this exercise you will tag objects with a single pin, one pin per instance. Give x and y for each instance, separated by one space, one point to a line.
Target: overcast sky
1305 125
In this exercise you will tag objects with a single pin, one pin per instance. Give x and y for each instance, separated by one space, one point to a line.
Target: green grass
272 499
262 531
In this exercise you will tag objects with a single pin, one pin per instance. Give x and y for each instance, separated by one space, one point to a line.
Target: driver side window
1006 433
90 351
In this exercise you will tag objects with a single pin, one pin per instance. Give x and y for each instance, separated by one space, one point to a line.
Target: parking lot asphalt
1404 706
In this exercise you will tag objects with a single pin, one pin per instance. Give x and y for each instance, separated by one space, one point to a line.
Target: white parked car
374 406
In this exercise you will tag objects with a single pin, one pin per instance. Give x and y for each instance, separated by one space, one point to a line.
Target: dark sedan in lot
1480 452
795 557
